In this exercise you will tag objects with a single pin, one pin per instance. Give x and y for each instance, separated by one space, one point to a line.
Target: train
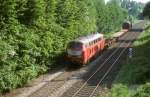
83 49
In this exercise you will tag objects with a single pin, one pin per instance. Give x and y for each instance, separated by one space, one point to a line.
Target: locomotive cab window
75 45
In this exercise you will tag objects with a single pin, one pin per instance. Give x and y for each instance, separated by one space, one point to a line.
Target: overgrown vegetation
136 72
34 33
146 11
123 91
134 8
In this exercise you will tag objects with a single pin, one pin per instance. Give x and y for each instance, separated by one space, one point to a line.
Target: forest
34 33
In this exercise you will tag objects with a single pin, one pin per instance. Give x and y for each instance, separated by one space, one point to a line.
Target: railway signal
130 52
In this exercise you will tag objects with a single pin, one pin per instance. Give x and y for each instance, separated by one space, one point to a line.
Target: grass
135 72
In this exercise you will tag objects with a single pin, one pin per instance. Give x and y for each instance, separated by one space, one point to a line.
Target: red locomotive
83 49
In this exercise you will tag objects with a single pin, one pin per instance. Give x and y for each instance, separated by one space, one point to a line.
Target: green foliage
34 33
124 91
143 91
146 11
116 15
109 16
119 91
134 8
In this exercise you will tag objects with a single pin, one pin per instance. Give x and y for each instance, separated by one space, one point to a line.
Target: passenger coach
83 49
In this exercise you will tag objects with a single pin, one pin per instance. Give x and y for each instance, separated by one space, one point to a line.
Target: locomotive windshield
75 45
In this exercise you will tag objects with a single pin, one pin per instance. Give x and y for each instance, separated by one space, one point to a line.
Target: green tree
35 9
101 14
116 15
134 8
146 11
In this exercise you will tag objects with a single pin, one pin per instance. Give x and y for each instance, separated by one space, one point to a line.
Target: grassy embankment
134 77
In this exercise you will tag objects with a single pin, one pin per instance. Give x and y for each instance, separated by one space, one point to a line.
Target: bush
144 91
119 91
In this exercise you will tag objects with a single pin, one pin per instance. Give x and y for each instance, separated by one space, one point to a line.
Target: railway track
89 85
52 86
81 85
55 84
